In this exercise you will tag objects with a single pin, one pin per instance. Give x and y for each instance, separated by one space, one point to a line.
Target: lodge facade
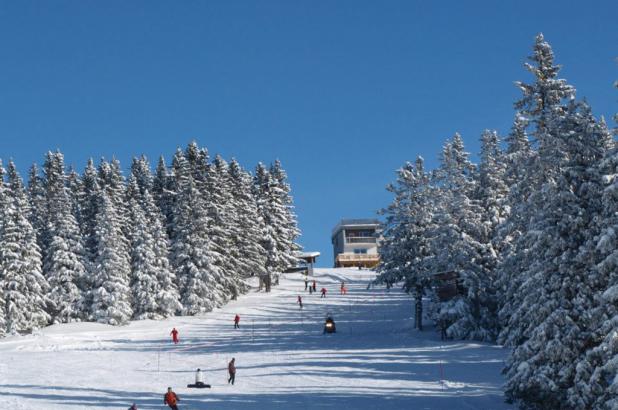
356 242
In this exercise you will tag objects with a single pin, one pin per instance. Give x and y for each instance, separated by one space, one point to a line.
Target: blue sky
342 92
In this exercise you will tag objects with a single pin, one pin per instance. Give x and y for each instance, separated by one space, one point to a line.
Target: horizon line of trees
99 247
532 232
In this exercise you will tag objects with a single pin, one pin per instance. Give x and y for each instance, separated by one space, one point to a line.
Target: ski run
284 361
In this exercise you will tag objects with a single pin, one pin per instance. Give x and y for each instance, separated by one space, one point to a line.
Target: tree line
532 233
99 247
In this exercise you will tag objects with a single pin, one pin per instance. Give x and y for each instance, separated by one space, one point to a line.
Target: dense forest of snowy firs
532 231
97 247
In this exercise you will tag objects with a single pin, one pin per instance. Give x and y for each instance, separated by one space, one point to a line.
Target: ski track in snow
374 361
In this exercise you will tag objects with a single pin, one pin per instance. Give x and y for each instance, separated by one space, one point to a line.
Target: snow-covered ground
375 361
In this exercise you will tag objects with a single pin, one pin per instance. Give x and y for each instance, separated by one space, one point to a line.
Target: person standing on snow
315 286
323 293
236 320
342 287
199 378
300 301
171 399
306 282
231 369
174 334
133 407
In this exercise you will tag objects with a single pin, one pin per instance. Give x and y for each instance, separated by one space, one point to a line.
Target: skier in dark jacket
231 369
236 320
315 286
306 282
133 407
323 293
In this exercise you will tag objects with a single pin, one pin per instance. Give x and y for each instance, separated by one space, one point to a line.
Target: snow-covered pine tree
89 201
63 263
223 230
559 289
288 232
405 249
155 294
596 383
192 258
111 295
262 187
248 224
24 288
38 214
163 193
457 246
112 181
518 158
542 102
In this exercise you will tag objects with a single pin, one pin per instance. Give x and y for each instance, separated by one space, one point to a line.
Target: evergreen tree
193 260
457 246
152 282
221 229
248 224
23 285
38 215
405 250
111 295
63 264
542 105
163 194
558 292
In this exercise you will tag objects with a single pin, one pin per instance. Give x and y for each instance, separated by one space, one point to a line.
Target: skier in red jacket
171 399
323 293
236 320
174 334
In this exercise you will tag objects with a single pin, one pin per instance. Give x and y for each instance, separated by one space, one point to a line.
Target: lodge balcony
349 260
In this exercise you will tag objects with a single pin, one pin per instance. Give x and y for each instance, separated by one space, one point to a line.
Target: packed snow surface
374 361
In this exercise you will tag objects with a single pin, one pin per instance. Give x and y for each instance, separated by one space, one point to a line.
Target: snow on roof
308 254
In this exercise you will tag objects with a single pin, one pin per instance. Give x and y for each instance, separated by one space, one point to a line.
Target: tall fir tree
559 289
405 250
63 264
23 286
111 295
248 224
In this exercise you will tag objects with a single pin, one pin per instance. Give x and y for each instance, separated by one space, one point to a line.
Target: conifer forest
100 247
531 232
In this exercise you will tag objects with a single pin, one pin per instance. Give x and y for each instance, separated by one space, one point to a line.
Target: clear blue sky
342 92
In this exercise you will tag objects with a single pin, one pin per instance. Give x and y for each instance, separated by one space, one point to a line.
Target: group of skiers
313 288
171 398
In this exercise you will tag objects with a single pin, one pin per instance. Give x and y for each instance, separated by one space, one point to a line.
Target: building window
360 251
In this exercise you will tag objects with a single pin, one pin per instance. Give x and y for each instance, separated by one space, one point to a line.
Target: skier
343 289
300 301
315 287
231 368
174 334
310 290
236 320
306 282
171 399
323 293
133 407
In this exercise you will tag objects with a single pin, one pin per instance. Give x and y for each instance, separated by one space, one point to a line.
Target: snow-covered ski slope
374 361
